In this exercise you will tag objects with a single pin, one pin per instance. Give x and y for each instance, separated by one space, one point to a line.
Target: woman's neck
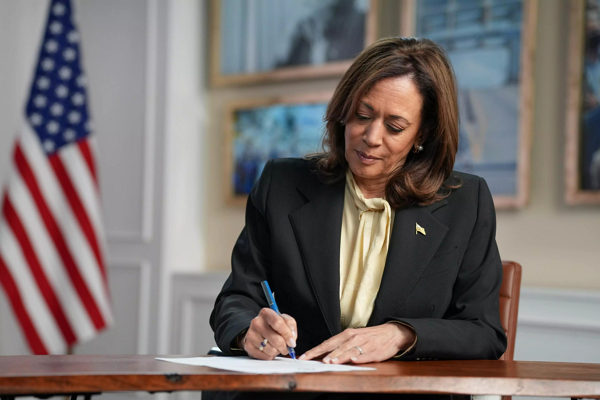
370 188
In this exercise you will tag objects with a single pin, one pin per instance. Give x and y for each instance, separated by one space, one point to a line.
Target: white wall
557 245
20 31
186 134
165 112
124 48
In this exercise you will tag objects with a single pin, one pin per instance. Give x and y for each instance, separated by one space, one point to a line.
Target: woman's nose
373 135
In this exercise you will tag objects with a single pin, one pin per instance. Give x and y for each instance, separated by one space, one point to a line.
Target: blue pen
273 306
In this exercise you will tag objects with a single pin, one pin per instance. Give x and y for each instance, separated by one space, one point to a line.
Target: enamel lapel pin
420 229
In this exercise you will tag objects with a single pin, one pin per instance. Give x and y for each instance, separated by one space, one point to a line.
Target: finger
327 346
277 323
275 340
364 358
270 350
347 355
346 350
291 323
252 346
264 331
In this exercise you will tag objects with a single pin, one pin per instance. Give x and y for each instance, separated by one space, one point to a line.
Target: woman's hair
420 180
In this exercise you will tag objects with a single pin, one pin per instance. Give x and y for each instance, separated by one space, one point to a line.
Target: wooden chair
509 308
510 292
509 305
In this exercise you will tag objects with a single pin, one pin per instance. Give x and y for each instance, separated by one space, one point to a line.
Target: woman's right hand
279 331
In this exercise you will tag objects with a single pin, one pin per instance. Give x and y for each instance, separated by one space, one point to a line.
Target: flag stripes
9 214
48 257
12 291
52 263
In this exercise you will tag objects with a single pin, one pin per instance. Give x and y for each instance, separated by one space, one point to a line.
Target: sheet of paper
279 365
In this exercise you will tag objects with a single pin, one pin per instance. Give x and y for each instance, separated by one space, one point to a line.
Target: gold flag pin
420 229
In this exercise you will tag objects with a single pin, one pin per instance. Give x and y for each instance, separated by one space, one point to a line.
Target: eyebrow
370 107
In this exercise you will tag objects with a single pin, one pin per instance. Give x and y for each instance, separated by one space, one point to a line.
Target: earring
418 149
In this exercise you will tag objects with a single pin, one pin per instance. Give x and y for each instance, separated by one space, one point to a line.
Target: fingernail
326 360
354 359
295 334
302 357
292 342
334 360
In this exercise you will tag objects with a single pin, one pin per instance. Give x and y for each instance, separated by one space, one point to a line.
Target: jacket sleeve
241 297
471 327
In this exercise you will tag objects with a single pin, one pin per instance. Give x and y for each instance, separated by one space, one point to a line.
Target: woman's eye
361 117
396 130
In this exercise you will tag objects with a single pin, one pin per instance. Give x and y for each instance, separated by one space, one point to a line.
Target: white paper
279 365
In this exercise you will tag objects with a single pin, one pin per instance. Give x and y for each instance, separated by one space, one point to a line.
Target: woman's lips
365 159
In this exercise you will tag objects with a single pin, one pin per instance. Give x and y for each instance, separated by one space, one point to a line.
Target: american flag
52 263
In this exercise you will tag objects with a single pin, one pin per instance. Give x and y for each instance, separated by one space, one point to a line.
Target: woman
375 249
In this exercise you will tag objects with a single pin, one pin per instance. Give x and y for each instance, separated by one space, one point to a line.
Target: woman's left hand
378 343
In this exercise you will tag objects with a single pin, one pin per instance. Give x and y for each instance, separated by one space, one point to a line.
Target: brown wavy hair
421 179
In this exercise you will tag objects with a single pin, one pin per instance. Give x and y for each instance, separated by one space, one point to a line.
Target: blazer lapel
408 255
317 226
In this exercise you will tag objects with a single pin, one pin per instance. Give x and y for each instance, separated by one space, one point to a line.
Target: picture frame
263 60
261 129
492 66
581 117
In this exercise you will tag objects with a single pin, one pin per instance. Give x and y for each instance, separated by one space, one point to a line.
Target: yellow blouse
366 230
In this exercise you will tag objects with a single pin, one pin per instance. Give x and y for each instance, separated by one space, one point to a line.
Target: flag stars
78 99
53 127
58 9
36 119
81 81
43 83
49 145
65 73
48 64
40 101
73 37
69 54
69 135
56 28
51 46
62 91
74 117
56 109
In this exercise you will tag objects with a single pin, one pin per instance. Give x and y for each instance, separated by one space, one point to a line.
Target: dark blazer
444 284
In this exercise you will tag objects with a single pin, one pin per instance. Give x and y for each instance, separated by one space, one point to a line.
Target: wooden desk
51 375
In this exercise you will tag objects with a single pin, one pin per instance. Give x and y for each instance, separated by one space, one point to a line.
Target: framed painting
491 45
582 155
275 40
259 130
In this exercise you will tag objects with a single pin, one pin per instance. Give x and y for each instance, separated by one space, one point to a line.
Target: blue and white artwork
278 131
264 35
483 41
590 114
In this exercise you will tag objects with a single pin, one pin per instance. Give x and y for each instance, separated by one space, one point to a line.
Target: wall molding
149 137
191 291
564 309
548 309
143 326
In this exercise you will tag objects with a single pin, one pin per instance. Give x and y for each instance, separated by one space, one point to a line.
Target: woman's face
384 129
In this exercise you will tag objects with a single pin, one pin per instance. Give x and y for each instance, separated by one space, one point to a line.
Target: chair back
509 305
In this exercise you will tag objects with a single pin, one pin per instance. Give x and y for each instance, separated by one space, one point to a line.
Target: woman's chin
365 171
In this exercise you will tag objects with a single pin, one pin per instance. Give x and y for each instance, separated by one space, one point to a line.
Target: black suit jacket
444 284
